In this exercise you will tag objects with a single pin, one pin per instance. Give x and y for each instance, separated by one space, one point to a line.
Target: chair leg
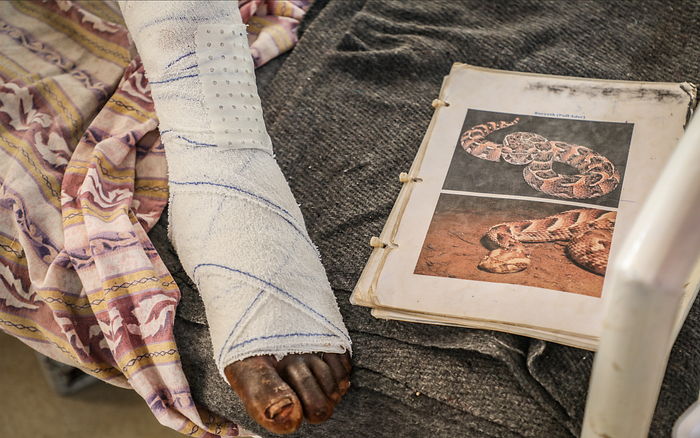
64 379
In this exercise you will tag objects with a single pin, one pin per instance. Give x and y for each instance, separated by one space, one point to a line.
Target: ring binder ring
405 177
439 102
375 242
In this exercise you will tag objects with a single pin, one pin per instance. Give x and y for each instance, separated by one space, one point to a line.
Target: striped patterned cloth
82 180
272 26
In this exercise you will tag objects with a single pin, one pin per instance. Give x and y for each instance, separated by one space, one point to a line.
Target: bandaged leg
233 220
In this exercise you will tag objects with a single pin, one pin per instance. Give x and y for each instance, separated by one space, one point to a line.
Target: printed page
528 187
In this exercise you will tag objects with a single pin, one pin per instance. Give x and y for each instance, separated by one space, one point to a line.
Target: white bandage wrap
233 220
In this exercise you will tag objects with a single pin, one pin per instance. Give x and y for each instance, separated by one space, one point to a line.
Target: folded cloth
83 180
233 221
272 26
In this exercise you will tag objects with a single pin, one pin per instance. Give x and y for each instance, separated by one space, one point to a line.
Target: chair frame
655 276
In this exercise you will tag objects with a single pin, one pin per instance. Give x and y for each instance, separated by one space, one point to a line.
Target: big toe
267 398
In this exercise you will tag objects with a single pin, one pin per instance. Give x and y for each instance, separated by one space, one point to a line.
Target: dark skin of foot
278 395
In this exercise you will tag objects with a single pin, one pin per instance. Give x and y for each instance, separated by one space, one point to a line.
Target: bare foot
278 395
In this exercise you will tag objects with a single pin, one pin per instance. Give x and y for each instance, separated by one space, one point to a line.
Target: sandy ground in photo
453 249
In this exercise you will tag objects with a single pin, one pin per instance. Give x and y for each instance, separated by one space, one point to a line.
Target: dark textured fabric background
347 110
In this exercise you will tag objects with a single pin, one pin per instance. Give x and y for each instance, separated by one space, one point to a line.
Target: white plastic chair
659 260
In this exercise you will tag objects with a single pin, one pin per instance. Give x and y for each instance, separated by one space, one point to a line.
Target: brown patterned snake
596 176
588 231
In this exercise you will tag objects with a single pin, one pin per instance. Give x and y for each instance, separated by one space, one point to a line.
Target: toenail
277 407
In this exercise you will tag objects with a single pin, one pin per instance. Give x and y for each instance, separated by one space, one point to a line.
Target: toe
340 366
324 376
270 401
345 360
295 371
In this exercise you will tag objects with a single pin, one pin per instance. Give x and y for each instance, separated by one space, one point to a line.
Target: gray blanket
347 111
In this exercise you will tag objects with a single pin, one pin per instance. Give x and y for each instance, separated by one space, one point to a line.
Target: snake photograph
595 174
586 231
